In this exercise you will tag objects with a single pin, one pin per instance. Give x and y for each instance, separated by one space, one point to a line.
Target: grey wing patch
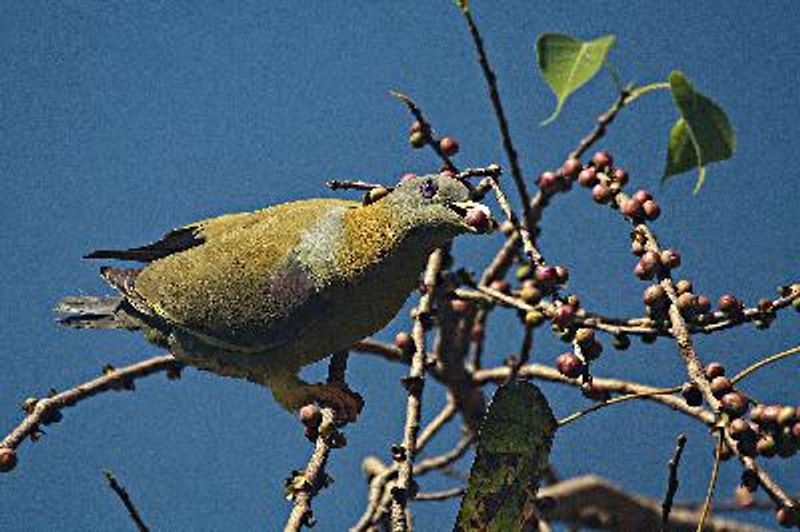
173 242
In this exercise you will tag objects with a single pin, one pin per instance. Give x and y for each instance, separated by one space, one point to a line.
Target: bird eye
428 189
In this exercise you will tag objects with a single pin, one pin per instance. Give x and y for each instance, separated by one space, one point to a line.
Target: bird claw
346 404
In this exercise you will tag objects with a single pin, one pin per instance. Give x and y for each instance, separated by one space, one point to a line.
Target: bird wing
186 237
243 286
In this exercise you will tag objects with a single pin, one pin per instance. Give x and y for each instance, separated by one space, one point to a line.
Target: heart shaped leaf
567 63
702 135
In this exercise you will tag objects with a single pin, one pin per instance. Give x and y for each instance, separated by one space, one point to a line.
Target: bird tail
95 312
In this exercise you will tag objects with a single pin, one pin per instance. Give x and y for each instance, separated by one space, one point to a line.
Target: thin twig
125 498
505 133
672 482
711 483
414 384
426 127
441 495
345 184
763 362
639 395
306 484
111 380
442 418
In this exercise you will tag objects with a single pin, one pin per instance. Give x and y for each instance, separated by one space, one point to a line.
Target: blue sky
124 119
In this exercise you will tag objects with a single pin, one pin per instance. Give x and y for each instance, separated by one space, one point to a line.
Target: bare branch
125 498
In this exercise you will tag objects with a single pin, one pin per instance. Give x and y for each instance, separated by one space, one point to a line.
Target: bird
259 295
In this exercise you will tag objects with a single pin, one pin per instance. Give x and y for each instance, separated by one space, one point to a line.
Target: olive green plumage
259 295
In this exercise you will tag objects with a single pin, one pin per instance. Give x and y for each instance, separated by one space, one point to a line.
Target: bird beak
476 216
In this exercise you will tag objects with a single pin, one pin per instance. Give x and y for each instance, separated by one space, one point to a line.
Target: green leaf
463 5
513 449
567 63
702 135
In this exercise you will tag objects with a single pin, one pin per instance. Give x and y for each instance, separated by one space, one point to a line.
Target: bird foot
346 403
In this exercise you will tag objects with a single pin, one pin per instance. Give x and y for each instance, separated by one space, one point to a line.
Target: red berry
459 306
692 394
571 167
686 303
655 296
651 210
729 304
415 126
740 429
570 365
642 196
478 219
721 386
546 275
670 258
588 177
449 146
601 193
632 209
8 459
787 517
548 182
310 416
702 304
683 286
404 341
620 176
734 404
714 369
563 315
764 305
602 159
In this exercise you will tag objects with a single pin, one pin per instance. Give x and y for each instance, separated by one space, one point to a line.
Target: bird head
438 203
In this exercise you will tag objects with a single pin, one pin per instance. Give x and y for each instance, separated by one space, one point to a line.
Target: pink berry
8 459
602 159
729 304
571 167
651 210
546 275
642 196
632 208
588 177
548 182
570 365
620 176
601 193
449 146
563 315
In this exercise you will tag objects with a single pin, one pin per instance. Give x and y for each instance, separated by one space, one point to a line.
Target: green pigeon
259 295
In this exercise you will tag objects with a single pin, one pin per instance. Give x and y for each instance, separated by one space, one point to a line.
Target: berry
787 517
570 365
651 210
584 337
786 416
478 219
404 342
523 272
670 258
647 266
642 196
692 394
620 176
655 296
459 306
310 416
743 497
683 286
686 303
720 386
548 182
766 446
764 305
602 159
571 167
621 342
574 301
734 404
770 414
739 429
702 304
501 285
530 293
449 146
714 369
8 459
729 304
563 315
632 209
534 318
602 194
415 126
637 248
418 139
588 177
546 275
562 274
